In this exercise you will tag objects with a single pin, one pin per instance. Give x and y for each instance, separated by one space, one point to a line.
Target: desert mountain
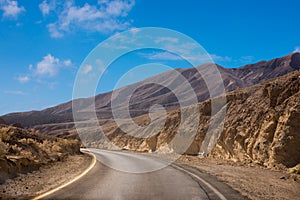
261 126
2 121
149 94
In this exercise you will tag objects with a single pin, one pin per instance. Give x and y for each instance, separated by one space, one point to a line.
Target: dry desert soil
251 180
26 186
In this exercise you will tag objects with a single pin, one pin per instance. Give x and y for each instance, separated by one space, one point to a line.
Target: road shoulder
252 181
48 177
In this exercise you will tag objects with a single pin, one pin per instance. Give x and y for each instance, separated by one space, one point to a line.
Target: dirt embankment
47 177
23 151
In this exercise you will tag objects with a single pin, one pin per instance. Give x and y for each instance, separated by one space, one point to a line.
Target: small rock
295 179
283 177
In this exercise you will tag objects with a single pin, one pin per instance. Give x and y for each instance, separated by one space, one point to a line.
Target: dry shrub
55 148
24 150
3 148
295 170
4 135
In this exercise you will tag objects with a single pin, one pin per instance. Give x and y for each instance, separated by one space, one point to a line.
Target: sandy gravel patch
50 176
252 181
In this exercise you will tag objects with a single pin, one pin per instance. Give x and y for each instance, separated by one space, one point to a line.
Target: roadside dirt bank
252 181
26 186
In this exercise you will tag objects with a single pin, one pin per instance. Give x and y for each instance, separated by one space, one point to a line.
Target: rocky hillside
2 121
23 151
151 94
262 126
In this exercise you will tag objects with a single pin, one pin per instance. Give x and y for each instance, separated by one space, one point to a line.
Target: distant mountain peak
146 96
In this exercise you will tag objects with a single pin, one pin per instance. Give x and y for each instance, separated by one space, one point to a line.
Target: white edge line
221 196
71 181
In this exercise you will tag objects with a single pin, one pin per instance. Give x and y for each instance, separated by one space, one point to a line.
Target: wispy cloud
105 17
54 32
67 63
48 6
45 7
227 61
246 59
297 49
86 69
218 58
11 9
23 79
101 66
169 56
160 56
167 39
15 92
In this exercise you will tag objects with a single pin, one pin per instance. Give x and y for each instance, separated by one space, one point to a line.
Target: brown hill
262 126
2 121
150 94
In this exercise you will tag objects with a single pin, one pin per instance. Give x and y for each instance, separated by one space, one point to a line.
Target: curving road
171 182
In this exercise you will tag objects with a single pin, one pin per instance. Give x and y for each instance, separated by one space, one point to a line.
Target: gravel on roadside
29 185
255 182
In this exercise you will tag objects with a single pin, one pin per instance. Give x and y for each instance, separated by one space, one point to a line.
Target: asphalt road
170 182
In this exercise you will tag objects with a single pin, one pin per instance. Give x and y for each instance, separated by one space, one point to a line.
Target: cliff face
262 126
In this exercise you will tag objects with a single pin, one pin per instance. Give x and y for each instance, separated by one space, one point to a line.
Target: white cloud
167 39
101 66
23 79
297 49
53 31
188 50
15 92
246 59
160 56
49 66
67 63
117 7
47 6
11 9
220 58
86 69
104 17
44 7
169 56
205 58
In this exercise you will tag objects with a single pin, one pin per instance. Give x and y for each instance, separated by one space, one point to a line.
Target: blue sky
43 43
